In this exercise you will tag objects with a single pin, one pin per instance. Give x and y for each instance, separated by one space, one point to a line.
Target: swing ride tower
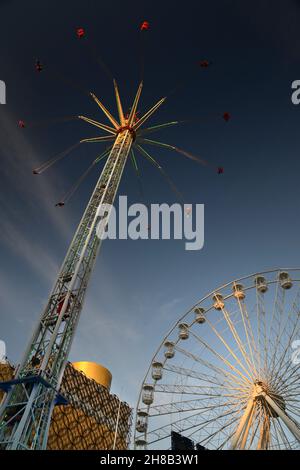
26 411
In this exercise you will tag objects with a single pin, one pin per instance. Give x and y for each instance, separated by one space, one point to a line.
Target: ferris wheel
226 376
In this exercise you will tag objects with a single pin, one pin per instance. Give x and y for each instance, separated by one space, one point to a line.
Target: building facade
90 417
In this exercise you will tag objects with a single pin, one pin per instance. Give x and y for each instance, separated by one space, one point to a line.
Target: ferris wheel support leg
287 421
247 429
243 422
264 438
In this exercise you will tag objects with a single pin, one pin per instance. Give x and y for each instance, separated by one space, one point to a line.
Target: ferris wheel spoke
292 406
275 437
253 434
221 446
293 410
288 395
262 334
247 429
284 374
258 323
194 374
182 407
267 425
223 359
275 324
206 440
164 431
249 336
238 341
283 368
261 428
292 400
255 428
292 321
290 423
291 383
288 364
274 440
227 440
215 419
191 421
278 366
285 379
278 348
243 423
202 377
209 365
193 390
203 409
283 434
229 349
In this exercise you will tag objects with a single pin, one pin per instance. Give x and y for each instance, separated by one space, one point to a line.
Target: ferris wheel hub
260 390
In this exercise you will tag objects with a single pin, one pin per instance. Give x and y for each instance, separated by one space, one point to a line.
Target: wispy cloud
35 256
166 310
26 196
18 158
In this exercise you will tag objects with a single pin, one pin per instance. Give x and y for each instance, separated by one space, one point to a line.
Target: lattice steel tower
25 413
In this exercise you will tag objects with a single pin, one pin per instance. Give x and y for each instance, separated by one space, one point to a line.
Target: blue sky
140 288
